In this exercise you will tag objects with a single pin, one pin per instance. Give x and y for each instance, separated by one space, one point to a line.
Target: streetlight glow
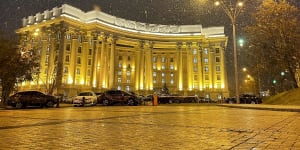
232 12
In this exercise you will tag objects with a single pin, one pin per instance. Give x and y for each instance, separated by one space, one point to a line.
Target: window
119 80
48 50
162 74
206 68
119 73
163 59
195 60
218 77
90 62
195 51
154 74
206 60
120 58
89 72
120 64
128 58
68 36
195 77
172 81
206 77
217 50
218 68
154 66
127 88
128 73
47 59
79 50
90 51
172 74
68 47
77 71
171 60
163 80
171 66
217 59
195 68
163 67
205 51
67 58
78 60
66 70
128 81
154 59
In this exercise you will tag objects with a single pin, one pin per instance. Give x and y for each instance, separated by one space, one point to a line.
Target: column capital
179 45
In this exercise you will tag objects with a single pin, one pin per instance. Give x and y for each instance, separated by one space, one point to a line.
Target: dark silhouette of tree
274 40
16 65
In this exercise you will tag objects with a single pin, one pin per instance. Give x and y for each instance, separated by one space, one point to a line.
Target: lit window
128 73
119 73
154 59
154 80
68 36
127 88
66 70
206 60
195 60
47 59
195 51
162 74
128 81
119 87
172 81
171 66
206 68
205 51
163 59
163 67
77 71
120 64
119 80
172 74
154 74
154 66
163 80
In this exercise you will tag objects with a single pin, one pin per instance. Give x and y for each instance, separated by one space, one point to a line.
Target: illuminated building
96 51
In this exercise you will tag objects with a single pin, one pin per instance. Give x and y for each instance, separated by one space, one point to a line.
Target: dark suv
32 98
118 96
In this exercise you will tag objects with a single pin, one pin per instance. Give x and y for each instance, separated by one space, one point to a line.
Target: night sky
151 11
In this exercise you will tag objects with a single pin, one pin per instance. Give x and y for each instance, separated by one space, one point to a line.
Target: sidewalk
291 108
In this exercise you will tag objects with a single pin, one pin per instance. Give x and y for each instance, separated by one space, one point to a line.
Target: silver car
85 98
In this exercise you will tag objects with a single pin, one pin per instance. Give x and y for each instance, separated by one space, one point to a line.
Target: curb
259 107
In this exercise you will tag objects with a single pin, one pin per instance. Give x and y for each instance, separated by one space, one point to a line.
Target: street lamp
232 11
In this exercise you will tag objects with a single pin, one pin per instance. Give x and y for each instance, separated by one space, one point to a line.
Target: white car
85 98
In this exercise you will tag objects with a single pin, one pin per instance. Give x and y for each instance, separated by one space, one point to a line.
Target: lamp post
232 11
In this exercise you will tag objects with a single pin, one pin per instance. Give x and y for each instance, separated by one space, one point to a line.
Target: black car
245 99
31 98
118 96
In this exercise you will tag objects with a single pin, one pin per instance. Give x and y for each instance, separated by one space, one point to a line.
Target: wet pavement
146 127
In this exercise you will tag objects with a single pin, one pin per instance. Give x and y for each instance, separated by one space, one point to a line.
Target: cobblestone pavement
148 127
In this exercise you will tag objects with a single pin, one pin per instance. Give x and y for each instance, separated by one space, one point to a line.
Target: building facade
96 51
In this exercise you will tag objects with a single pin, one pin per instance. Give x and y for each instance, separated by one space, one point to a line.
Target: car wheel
19 105
130 102
105 102
49 104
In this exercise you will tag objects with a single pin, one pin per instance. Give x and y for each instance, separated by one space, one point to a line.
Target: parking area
195 126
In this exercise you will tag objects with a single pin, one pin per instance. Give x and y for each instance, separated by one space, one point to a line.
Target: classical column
111 77
137 65
148 66
179 51
96 67
190 64
103 61
142 66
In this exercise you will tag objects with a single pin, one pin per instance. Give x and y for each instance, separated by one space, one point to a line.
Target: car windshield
85 94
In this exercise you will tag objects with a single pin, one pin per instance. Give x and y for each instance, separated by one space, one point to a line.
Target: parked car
32 98
118 96
100 97
85 98
245 99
